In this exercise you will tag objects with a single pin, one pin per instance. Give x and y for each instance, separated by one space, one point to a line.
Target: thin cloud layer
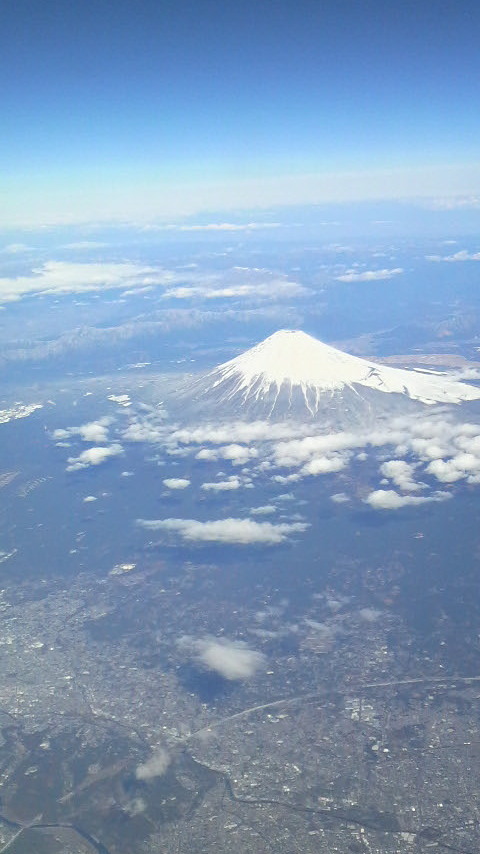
64 277
276 289
368 275
215 226
461 255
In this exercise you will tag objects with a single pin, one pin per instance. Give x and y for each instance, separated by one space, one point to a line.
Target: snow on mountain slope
291 371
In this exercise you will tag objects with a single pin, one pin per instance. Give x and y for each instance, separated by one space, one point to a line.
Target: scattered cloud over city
368 275
231 530
233 660
155 766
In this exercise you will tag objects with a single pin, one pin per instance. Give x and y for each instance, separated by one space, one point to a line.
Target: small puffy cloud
95 431
223 485
339 498
401 474
459 467
89 498
176 482
146 430
208 454
93 457
231 530
264 510
302 451
368 275
233 660
156 766
388 499
92 431
325 465
237 454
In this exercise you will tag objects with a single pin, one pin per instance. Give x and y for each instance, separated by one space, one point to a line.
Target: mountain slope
292 374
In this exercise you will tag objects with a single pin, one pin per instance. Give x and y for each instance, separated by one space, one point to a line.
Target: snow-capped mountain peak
291 371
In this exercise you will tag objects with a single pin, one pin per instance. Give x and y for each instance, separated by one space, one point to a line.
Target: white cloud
93 457
415 449
388 499
215 226
310 448
176 482
231 530
461 255
238 431
15 248
339 498
89 498
86 245
401 474
62 277
92 431
223 485
233 660
156 766
237 454
264 510
370 615
368 275
458 467
272 290
146 430
452 203
325 465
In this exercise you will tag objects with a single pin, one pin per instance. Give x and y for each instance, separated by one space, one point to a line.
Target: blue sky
115 108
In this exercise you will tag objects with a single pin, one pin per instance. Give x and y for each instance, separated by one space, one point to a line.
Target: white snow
297 359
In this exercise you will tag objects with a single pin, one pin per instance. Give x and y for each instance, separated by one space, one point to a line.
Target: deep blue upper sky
154 106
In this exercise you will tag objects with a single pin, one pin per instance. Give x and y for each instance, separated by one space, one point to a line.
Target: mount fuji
293 375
